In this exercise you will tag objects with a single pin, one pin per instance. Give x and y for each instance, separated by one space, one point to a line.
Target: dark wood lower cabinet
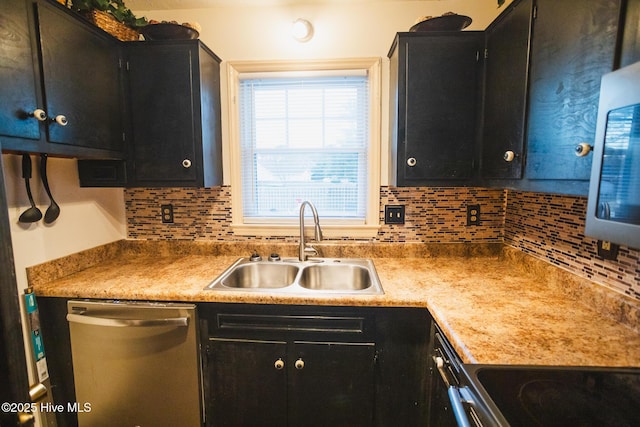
314 366
282 365
331 384
274 383
57 347
246 386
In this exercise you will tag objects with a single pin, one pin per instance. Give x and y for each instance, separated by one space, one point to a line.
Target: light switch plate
394 214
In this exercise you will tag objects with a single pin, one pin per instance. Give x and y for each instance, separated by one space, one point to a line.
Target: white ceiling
202 4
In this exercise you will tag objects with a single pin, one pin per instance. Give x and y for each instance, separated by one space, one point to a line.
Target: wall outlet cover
166 211
608 250
394 214
473 214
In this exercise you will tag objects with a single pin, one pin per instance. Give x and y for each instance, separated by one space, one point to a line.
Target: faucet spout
304 250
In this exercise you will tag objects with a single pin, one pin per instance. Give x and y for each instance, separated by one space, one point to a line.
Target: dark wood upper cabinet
174 92
543 61
436 81
18 90
65 66
506 65
630 46
573 45
81 74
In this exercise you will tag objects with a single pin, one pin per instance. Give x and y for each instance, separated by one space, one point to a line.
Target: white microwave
613 209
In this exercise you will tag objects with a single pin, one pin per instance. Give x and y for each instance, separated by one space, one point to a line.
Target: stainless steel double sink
289 275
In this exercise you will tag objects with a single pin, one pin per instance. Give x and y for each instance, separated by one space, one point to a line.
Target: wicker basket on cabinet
112 26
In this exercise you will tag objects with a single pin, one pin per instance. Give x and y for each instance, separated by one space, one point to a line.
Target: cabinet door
18 90
573 45
163 109
630 46
246 386
331 384
506 64
441 94
81 73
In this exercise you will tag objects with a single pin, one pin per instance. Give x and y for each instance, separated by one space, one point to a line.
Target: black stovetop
559 396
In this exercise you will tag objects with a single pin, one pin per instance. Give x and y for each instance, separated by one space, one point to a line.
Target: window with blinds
304 137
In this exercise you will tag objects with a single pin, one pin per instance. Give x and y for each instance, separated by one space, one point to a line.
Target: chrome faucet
304 250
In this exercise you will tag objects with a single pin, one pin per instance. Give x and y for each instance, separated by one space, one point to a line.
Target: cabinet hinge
486 53
122 64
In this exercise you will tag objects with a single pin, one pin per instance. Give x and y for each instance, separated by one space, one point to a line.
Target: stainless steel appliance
135 364
613 211
530 396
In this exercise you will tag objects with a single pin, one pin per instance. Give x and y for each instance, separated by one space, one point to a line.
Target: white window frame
330 228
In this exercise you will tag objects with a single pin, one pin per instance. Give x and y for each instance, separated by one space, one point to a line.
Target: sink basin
315 276
268 275
335 277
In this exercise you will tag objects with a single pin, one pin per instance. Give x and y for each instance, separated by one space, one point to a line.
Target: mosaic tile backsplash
433 215
549 227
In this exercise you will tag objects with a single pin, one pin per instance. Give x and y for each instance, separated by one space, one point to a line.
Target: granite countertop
495 304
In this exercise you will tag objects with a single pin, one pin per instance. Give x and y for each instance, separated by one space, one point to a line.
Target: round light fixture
302 30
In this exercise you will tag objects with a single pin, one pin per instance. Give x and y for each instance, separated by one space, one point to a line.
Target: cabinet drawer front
334 324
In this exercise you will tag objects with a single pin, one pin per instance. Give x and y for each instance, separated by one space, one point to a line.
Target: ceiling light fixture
302 30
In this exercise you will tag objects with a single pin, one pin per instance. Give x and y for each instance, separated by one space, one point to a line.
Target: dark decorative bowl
448 22
168 31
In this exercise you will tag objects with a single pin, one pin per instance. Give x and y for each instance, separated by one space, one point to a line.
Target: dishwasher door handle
115 322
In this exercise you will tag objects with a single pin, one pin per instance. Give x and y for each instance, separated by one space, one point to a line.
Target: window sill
328 231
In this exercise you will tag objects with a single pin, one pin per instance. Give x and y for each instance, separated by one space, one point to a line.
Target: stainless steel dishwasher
135 364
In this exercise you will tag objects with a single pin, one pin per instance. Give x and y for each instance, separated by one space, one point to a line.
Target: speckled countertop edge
494 303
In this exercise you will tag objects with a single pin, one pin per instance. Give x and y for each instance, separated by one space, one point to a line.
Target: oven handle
456 399
455 395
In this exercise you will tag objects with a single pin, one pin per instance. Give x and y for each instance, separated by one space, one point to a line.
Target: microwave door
619 195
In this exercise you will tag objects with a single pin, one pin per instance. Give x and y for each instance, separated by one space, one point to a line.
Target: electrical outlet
167 213
473 215
607 250
394 214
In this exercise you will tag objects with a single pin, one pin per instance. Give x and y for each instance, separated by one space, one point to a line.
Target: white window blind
304 138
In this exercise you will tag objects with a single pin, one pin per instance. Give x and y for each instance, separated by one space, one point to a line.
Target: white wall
341 30
88 217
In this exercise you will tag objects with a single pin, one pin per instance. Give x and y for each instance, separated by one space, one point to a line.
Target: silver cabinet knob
509 156
583 149
279 364
61 120
186 163
40 115
411 161
299 364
